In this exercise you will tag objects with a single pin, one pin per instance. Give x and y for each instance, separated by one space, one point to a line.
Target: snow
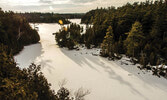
106 80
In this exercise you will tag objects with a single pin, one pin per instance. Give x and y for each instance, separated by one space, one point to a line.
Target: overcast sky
60 6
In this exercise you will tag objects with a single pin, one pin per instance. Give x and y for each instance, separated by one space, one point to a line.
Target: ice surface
107 80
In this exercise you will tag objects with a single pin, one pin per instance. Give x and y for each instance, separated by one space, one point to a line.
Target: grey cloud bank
60 6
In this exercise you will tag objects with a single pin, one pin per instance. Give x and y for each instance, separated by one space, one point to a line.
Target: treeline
15 31
37 17
72 15
138 30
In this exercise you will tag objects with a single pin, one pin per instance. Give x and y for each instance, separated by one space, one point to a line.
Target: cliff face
15 31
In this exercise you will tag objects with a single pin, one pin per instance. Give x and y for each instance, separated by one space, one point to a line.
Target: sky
60 6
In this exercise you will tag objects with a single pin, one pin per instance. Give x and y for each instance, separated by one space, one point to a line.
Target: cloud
60 6
53 1
57 8
82 1
46 1
74 1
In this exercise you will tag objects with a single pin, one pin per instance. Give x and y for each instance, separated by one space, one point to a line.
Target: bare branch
81 93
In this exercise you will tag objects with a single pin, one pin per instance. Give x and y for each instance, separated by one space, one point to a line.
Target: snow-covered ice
107 80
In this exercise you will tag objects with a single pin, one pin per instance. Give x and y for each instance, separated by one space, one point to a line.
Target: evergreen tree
134 39
70 36
89 38
143 59
152 59
120 45
108 43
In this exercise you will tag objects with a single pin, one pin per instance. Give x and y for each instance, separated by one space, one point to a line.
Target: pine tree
89 37
152 59
143 60
120 45
108 43
134 39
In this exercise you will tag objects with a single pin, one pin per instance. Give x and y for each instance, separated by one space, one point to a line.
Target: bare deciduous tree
81 93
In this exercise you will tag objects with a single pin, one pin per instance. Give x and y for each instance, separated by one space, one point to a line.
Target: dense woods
37 17
72 15
138 30
15 31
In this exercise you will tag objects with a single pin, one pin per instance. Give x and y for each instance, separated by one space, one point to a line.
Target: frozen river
106 80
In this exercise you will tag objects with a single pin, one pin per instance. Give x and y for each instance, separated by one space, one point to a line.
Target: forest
72 15
138 30
15 32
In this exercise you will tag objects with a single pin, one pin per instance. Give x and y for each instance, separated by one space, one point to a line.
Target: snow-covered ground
106 80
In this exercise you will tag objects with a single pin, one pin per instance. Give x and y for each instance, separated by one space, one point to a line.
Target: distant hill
38 17
72 15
